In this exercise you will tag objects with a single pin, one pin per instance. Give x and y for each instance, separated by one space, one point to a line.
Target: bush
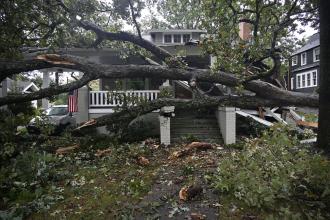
24 184
272 174
24 108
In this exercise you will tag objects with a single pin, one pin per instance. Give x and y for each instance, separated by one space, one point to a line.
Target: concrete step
184 129
202 128
188 124
199 138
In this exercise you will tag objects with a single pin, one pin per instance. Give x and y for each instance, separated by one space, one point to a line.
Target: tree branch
132 112
94 71
134 18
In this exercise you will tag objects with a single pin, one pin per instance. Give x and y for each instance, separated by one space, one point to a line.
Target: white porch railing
114 98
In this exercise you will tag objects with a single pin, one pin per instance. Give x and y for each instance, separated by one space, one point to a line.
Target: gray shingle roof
313 41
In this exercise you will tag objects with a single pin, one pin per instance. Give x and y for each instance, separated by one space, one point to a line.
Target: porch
106 101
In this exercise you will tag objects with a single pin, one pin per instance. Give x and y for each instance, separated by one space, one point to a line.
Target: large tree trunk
324 98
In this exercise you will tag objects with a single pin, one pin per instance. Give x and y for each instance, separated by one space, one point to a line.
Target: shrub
272 174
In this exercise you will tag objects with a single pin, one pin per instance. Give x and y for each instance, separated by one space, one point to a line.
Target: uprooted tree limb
94 71
127 114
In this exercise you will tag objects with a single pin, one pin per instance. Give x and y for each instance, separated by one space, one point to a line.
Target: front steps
203 127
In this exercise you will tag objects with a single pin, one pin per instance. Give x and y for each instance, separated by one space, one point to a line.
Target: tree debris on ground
189 192
101 153
143 161
193 146
197 216
66 150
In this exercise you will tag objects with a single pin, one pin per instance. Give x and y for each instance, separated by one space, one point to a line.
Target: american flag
73 101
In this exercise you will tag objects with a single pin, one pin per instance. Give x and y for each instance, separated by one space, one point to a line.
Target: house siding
297 69
305 90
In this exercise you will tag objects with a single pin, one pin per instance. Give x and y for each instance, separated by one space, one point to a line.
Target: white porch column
227 121
165 124
3 90
45 84
83 105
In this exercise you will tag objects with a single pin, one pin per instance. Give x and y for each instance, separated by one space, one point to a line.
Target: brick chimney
245 30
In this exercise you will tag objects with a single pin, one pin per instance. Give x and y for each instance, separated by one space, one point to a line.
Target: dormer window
316 54
167 38
294 60
177 38
303 59
185 38
153 37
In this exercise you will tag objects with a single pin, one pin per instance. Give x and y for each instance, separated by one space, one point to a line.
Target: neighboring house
18 86
304 73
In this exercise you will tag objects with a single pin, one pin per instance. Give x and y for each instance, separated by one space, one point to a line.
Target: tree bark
323 139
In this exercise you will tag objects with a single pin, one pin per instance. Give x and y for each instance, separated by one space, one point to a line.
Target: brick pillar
227 122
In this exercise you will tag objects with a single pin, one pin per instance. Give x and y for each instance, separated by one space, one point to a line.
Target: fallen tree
260 62
94 71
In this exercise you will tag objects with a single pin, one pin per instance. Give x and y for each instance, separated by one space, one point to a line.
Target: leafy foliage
272 174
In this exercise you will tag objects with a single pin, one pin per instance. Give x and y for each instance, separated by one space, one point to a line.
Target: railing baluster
116 98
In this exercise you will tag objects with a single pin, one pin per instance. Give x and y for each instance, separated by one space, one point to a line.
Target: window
316 54
292 84
177 38
303 80
294 60
314 78
153 37
303 59
298 81
306 80
167 38
185 38
135 84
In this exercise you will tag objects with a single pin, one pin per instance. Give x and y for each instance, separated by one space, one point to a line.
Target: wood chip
193 146
199 145
307 124
197 216
86 124
66 150
101 153
143 161
189 192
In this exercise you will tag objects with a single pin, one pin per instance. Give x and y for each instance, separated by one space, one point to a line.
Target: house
104 100
19 86
305 67
176 41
